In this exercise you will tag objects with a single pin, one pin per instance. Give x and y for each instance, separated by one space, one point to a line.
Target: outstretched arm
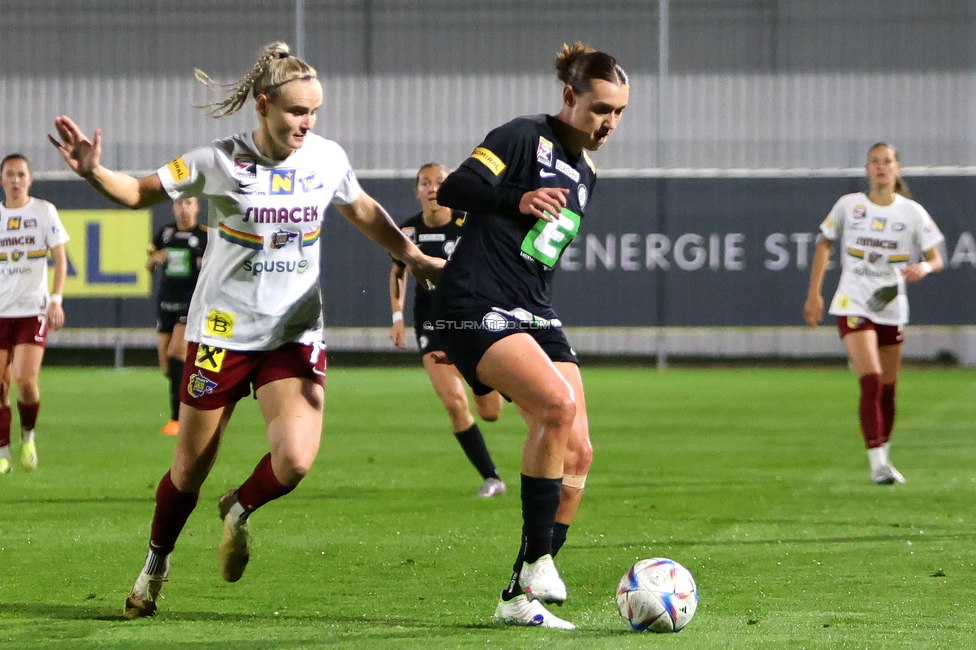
374 222
84 158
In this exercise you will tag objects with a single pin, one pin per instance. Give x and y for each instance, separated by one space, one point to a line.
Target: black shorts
465 346
171 314
428 339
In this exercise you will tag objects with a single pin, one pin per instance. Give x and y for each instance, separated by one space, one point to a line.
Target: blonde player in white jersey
255 320
878 233
29 229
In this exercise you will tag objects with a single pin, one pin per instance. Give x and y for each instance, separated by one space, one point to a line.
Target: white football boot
530 613
492 487
540 581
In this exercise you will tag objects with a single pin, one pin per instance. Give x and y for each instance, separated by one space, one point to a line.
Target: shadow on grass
402 627
90 500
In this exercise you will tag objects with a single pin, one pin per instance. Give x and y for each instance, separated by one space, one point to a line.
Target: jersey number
547 240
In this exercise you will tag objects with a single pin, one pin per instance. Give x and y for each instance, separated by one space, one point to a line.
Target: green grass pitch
755 479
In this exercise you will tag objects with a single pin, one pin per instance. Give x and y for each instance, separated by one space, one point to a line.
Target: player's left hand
55 316
915 272
427 270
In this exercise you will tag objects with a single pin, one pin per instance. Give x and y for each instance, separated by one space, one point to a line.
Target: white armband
927 266
56 299
397 316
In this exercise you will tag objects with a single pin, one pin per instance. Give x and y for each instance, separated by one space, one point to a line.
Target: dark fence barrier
651 251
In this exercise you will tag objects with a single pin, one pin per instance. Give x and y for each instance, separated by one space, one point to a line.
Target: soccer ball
658 595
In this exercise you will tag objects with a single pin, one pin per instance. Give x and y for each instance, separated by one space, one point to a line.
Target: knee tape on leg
577 481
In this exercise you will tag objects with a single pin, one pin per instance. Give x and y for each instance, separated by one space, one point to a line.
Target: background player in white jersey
29 229
178 249
436 230
878 232
255 319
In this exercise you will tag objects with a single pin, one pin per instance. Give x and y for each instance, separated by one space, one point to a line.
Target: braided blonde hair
274 68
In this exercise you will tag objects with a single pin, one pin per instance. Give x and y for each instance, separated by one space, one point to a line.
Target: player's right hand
813 311
396 335
544 203
81 154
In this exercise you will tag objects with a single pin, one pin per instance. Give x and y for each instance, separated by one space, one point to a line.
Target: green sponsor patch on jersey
548 239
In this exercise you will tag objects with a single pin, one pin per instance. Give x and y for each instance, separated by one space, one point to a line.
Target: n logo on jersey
210 358
220 323
13 223
282 181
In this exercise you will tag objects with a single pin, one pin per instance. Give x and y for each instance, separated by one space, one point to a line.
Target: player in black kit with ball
525 189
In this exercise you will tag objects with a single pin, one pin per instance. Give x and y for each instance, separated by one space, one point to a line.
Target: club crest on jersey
898 226
30 223
543 152
860 211
582 195
878 223
411 233
281 238
874 257
310 183
200 385
245 166
282 181
13 223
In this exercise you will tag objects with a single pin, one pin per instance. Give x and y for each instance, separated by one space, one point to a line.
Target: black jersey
505 259
182 266
438 241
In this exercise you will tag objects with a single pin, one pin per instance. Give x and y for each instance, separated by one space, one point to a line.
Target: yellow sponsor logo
843 302
489 160
105 258
220 323
210 358
179 170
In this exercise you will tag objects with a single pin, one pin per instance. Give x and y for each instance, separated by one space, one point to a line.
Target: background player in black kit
525 189
435 231
178 248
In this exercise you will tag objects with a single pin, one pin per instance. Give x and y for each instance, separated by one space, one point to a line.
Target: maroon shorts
887 334
18 331
215 377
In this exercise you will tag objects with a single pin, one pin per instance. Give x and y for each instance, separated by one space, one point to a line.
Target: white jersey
875 244
259 283
26 235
